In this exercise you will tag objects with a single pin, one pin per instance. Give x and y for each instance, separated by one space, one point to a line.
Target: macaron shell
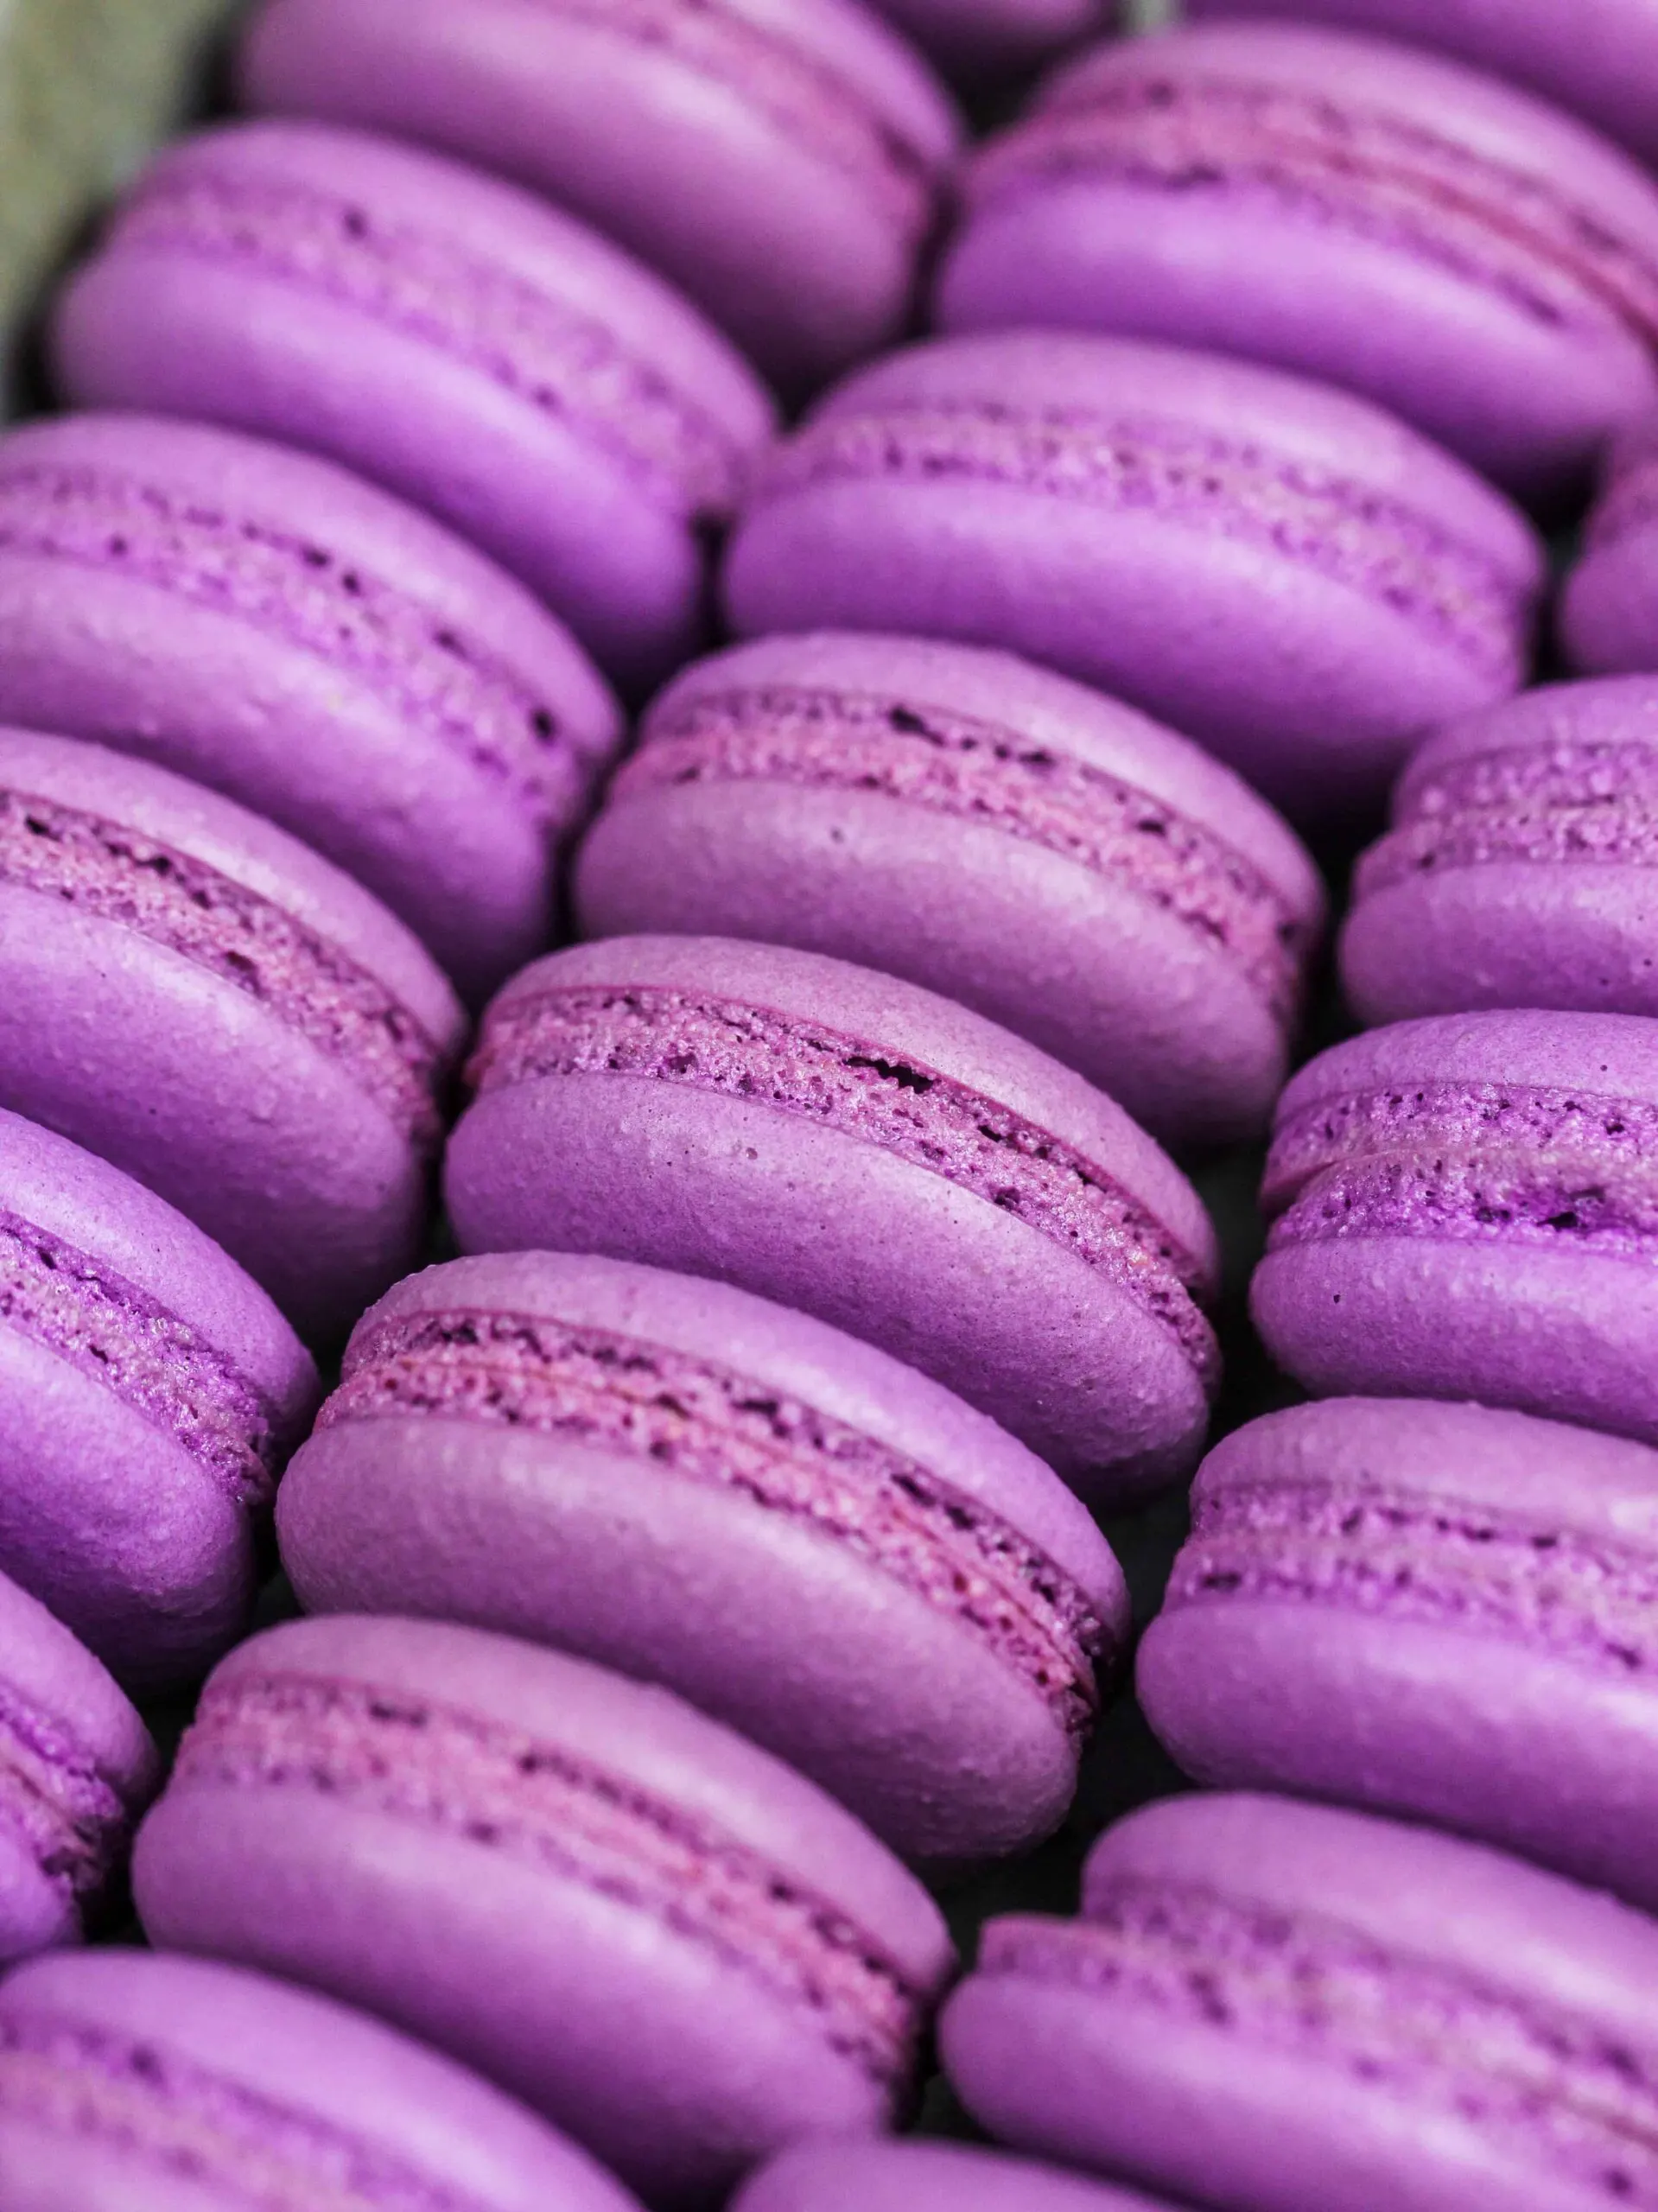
399 394
980 41
1312 679
189 633
923 2177
790 161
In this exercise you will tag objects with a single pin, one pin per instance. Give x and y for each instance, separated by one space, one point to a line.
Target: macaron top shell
923 2177
143 2078
1598 725
776 158
981 40
444 334
261 621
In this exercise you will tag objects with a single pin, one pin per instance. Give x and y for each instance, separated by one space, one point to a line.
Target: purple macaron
272 628
810 1542
990 831
1271 2007
922 2177
1522 868
983 42
1465 1208
1280 571
196 997
658 1935
77 1767
452 338
780 159
130 2082
1434 1610
1608 615
150 1394
869 1154
1452 249
1598 57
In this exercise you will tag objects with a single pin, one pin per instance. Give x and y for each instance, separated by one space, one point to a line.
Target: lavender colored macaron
982 41
266 623
985 829
1439 1611
780 159
1597 57
130 2082
150 1394
196 997
1522 868
487 358
922 2177
1607 618
869 1154
1269 2007
1282 572
1465 1208
1452 249
77 1767
658 1935
810 1542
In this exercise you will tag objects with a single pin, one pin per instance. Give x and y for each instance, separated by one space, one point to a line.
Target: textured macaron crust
1435 1610
196 997
265 623
1270 2006
1464 1207
130 2082
463 345
1454 250
1522 868
150 1394
985 829
77 1766
922 2177
1606 618
659 1936
1280 571
779 159
1598 57
807 1540
865 1152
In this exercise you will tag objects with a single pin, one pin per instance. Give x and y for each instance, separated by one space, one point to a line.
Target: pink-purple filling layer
1547 2085
1470 1163
71 1820
128 1342
162 2113
748 1053
706 1424
1444 1562
974 770
1313 517
1582 804
1514 230
440 291
810 104
295 588
125 877
391 1753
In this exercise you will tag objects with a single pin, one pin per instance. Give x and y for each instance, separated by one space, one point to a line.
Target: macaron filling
129 1344
401 1757
1444 1562
163 2112
294 588
1571 2098
1297 510
134 882
811 103
1579 805
706 1424
850 1085
964 768
446 293
1391 179
1470 1163
70 1818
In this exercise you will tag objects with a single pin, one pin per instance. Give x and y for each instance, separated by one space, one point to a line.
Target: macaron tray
828 1120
